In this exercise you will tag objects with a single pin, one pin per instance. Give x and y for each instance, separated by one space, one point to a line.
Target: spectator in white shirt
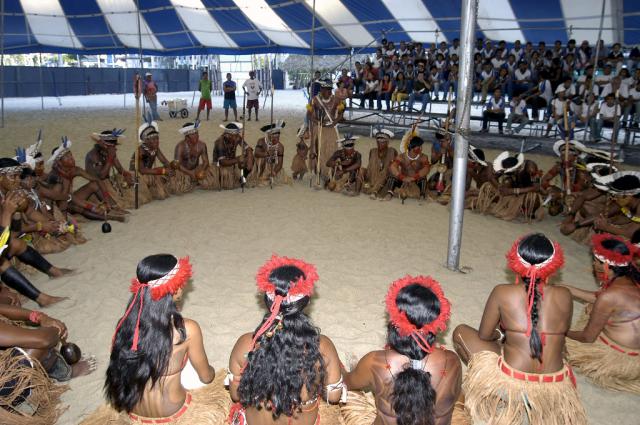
567 87
518 114
616 88
541 97
455 48
605 78
588 112
588 82
370 91
435 79
488 52
609 110
517 50
521 79
557 109
484 83
633 106
494 111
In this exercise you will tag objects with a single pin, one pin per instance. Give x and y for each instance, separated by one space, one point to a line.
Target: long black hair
129 371
535 248
413 397
286 358
629 270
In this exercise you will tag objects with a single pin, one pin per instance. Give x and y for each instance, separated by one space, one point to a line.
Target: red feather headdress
399 318
538 274
608 256
299 289
170 283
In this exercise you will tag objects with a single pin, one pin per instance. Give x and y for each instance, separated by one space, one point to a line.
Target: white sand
359 246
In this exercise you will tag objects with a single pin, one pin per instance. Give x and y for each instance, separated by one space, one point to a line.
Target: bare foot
84 367
387 197
45 300
55 272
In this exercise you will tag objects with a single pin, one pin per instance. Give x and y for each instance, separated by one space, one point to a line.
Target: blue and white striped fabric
181 27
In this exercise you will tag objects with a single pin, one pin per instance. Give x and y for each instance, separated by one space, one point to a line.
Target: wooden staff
268 135
440 184
567 179
614 140
137 91
244 123
319 150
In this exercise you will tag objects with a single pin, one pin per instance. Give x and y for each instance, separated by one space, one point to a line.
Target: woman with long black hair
606 345
415 381
516 367
278 373
151 346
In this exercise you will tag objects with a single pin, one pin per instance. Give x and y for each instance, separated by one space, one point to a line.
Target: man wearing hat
193 167
102 163
557 109
153 181
442 159
481 196
346 163
150 91
324 113
380 158
408 171
269 154
570 172
234 169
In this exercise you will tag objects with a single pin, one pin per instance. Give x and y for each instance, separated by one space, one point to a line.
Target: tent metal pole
2 62
313 48
41 84
595 59
140 55
463 111
124 84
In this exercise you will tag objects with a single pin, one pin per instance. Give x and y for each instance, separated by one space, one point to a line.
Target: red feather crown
543 271
303 287
399 318
167 284
608 256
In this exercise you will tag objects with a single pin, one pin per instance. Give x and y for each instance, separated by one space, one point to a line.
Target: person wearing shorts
205 94
253 88
229 89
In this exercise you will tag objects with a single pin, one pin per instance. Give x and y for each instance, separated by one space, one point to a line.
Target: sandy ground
359 246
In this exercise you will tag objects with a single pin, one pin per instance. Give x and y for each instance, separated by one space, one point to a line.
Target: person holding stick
269 155
252 87
324 112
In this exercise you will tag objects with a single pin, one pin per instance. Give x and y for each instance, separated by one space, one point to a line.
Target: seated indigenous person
102 163
414 380
346 163
269 155
151 349
480 173
193 167
273 380
299 162
153 181
606 344
11 246
408 171
30 361
234 169
59 188
380 158
566 177
442 161
516 372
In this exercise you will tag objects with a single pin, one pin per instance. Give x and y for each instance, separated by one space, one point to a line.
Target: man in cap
269 154
408 171
252 88
150 91
234 169
380 158
193 167
102 163
324 113
346 163
153 181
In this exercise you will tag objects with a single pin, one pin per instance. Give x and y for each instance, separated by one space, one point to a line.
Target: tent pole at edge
463 110
141 95
313 48
2 31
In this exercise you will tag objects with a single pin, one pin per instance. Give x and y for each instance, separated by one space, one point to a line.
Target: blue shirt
232 94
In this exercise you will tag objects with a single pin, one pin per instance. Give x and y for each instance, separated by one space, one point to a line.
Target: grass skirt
209 406
211 180
299 165
153 187
484 200
603 365
376 179
328 145
180 184
408 190
48 244
44 399
257 179
120 191
496 398
510 207
230 177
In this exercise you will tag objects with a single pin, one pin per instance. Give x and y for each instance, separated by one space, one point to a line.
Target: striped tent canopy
181 27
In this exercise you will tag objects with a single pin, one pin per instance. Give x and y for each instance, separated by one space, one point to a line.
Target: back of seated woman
516 367
279 372
415 381
151 346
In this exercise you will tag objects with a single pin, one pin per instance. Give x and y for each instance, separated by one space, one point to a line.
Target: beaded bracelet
35 317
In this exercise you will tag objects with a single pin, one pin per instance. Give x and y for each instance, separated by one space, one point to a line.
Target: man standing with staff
252 88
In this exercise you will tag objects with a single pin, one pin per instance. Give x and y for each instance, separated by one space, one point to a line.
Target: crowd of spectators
517 78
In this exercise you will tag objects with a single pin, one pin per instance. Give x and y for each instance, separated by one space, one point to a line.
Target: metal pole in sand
138 88
41 84
463 110
2 29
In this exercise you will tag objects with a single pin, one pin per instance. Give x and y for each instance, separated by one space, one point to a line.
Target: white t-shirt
608 112
518 109
253 87
517 53
519 75
492 103
603 79
546 90
558 106
634 94
485 75
623 91
454 50
568 92
497 62
595 89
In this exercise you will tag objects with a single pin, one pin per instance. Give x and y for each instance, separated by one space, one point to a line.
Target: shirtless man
324 113
59 188
269 155
193 163
153 180
442 147
480 173
234 170
380 158
346 163
299 163
409 171
102 163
